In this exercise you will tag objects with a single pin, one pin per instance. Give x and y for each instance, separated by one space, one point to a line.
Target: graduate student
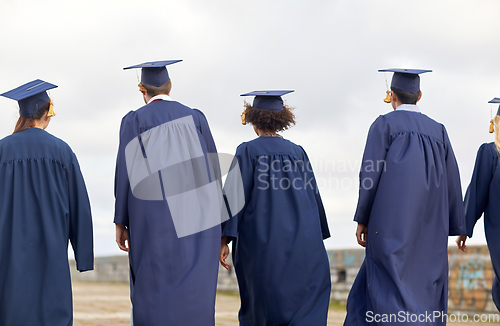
278 252
164 210
482 195
410 201
43 204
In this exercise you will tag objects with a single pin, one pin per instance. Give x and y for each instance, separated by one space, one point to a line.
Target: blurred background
327 51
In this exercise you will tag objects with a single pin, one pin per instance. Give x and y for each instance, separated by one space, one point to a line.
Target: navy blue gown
482 196
43 204
173 276
278 252
410 198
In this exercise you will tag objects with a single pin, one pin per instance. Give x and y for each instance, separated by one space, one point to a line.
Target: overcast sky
327 51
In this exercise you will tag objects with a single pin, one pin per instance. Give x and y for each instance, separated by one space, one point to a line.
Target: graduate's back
410 199
43 204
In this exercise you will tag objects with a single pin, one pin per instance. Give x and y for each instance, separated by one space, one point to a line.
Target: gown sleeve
377 145
122 184
325 231
80 219
205 131
455 203
211 149
476 197
244 160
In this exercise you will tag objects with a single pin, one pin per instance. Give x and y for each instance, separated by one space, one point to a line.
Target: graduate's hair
157 90
406 97
269 120
25 123
496 120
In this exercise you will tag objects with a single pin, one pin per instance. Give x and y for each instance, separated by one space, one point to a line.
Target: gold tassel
387 97
243 121
492 128
51 112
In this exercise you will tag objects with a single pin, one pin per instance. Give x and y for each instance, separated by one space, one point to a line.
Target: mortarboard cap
496 100
406 79
267 100
31 96
154 73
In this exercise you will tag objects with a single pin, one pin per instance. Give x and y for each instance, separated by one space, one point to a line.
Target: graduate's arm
461 239
455 202
238 188
224 252
80 219
210 143
206 133
325 231
122 237
361 232
372 167
122 183
476 197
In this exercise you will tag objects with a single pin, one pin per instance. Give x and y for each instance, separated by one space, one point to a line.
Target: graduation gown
410 198
482 195
278 252
173 276
43 204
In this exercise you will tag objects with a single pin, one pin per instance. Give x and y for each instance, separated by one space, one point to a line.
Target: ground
108 304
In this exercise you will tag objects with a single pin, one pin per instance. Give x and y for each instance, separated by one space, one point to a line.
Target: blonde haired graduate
482 195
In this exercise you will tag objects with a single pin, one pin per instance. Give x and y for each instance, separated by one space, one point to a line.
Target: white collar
164 97
408 107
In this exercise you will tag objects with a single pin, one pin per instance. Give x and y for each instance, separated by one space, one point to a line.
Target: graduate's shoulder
269 146
401 122
172 105
488 149
64 148
35 136
35 143
403 115
155 113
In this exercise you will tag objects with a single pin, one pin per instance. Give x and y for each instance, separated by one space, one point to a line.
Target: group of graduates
176 220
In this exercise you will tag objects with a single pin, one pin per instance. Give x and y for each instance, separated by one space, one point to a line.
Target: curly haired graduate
278 252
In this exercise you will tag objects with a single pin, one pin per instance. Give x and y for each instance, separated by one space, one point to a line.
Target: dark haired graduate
167 206
407 208
43 204
482 196
278 252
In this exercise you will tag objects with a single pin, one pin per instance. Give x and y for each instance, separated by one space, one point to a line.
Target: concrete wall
344 266
106 269
470 276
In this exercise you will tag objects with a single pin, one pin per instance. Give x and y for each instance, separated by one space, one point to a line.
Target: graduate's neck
260 132
42 123
395 102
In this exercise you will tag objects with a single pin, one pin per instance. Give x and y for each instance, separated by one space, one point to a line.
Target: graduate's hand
224 252
122 237
361 233
461 242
